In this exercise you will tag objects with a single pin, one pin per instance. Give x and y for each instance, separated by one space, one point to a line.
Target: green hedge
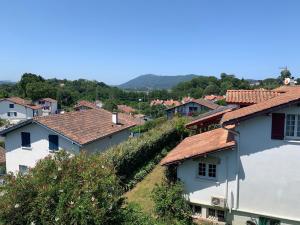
128 157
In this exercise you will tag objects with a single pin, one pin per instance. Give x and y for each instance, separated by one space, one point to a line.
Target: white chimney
115 118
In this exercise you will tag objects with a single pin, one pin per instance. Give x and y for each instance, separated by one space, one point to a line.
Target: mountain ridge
153 81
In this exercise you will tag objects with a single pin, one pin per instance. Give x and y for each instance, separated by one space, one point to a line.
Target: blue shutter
53 142
25 136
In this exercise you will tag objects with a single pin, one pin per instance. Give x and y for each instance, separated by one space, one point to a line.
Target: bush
62 190
170 203
128 157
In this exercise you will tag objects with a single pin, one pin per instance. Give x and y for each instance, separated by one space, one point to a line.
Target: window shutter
278 126
53 142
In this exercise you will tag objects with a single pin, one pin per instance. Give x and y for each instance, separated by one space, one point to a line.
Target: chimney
115 118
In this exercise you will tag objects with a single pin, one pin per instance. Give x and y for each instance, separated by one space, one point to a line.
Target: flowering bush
62 190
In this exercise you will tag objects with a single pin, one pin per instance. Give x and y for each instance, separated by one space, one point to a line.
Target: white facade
187 109
15 112
17 156
49 107
268 181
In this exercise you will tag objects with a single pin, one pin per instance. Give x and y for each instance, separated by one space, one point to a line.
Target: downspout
237 134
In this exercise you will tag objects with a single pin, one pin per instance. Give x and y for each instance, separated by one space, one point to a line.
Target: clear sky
116 40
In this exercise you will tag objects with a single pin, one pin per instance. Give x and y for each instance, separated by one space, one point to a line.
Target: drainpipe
237 134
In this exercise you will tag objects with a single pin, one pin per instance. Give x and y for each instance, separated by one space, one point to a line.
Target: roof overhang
265 111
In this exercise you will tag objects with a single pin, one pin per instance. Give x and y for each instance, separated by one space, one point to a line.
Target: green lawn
141 193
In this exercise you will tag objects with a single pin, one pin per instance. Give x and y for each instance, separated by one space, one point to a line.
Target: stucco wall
105 143
184 109
200 190
16 156
269 175
22 112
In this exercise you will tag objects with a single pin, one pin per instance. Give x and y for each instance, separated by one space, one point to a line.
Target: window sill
26 148
292 140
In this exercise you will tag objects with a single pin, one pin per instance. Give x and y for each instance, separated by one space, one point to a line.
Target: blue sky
116 40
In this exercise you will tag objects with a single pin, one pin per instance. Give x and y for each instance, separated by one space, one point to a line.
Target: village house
49 106
246 171
15 109
91 131
214 98
191 108
84 105
126 109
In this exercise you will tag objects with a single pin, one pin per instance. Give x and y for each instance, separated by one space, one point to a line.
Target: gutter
236 206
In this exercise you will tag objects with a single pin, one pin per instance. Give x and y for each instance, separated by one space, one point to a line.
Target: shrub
170 203
62 190
130 156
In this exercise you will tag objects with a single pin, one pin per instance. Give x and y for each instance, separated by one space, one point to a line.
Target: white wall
184 109
200 190
105 143
22 111
269 177
16 156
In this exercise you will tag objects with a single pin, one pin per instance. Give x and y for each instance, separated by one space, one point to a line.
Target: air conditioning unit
219 202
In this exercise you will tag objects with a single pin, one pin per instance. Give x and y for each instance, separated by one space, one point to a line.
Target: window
202 169
25 136
267 221
11 106
212 170
197 210
53 142
215 214
207 170
15 114
193 109
8 114
292 125
23 169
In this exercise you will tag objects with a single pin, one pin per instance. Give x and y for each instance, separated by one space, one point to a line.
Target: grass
141 193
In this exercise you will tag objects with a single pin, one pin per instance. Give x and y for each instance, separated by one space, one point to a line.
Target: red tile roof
85 126
262 107
214 97
249 97
86 104
200 101
126 109
201 144
157 102
2 156
287 88
48 100
23 102
171 103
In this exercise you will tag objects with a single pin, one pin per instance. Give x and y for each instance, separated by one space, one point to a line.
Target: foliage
63 190
170 203
110 105
128 157
285 73
133 215
148 125
2 144
3 122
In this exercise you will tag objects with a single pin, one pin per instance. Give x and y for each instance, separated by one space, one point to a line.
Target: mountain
6 82
151 81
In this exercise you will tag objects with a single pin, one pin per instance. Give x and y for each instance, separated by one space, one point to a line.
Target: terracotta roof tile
200 101
2 156
197 145
23 102
126 109
249 97
262 107
85 103
214 97
85 126
287 88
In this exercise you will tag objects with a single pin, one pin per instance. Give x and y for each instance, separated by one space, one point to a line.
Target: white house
49 106
91 130
16 109
191 107
247 171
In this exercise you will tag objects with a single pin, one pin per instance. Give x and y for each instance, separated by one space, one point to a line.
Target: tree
285 73
36 90
28 78
211 89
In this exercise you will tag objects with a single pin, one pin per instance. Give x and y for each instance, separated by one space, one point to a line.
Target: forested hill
151 82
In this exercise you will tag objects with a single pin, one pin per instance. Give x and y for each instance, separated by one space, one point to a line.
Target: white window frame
207 170
297 120
216 217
